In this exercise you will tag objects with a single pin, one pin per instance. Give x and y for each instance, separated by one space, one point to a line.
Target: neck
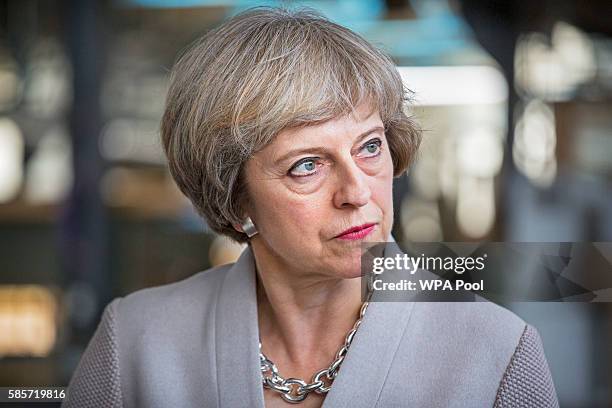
303 317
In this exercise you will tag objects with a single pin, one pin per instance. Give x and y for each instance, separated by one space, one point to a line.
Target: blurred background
514 96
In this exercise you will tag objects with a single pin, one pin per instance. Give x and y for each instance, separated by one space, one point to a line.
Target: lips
358 232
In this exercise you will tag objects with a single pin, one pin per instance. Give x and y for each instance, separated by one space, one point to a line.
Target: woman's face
312 186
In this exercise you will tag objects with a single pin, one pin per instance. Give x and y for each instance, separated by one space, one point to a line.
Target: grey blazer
194 343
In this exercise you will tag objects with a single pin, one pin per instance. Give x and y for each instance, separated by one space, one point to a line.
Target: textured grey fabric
527 382
194 343
96 381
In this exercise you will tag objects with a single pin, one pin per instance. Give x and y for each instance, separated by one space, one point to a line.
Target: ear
238 227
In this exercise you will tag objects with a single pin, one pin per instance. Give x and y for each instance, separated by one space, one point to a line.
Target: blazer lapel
365 368
237 337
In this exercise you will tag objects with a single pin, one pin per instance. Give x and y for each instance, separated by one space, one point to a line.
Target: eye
304 167
371 148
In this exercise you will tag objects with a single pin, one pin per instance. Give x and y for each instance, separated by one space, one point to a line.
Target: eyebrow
296 152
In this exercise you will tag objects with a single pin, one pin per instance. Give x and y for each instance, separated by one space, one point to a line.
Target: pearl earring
248 227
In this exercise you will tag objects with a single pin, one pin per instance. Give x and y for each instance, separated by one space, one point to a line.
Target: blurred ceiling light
535 139
576 52
10 83
28 316
132 140
48 80
475 206
479 153
456 85
553 72
49 171
420 220
224 250
11 159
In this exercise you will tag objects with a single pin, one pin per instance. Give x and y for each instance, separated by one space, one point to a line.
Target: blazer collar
363 372
237 337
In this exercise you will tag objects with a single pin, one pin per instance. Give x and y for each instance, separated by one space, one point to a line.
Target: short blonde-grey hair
262 71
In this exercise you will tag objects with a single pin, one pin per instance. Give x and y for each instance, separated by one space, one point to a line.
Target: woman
285 130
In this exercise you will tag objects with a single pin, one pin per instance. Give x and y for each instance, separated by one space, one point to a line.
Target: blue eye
304 167
372 148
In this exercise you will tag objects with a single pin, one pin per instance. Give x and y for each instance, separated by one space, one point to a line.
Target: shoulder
482 351
182 297
472 321
167 309
146 331
498 345
488 332
481 337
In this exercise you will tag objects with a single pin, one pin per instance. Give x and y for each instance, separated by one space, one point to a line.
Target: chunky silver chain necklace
295 390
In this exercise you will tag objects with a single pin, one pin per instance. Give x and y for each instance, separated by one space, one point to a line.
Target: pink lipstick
358 232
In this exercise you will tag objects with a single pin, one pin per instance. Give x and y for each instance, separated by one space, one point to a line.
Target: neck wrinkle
305 326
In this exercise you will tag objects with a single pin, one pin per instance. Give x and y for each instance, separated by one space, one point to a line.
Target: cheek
385 177
383 186
304 215
283 214
382 194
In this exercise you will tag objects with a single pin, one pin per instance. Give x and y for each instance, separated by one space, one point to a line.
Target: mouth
358 232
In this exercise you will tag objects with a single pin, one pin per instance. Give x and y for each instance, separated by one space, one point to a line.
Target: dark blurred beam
84 223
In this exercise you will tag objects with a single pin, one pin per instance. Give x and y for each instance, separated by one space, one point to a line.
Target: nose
352 187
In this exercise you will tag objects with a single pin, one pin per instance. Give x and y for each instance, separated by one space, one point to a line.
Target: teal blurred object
334 9
436 36
341 11
176 3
